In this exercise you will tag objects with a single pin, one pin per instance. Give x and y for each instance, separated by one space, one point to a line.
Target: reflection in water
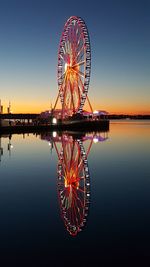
9 146
1 150
73 177
29 217
73 184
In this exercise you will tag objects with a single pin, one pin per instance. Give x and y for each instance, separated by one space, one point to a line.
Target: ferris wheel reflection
73 184
73 177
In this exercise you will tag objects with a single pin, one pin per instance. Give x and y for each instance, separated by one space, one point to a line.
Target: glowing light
95 140
54 134
95 112
66 65
54 120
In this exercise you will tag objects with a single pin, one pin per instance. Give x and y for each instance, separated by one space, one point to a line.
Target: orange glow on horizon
111 108
123 108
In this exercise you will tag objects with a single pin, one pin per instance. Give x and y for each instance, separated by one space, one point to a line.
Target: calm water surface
68 201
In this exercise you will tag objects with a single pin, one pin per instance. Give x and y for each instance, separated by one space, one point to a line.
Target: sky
119 30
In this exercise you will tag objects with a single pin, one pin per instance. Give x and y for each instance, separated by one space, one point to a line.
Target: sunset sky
119 31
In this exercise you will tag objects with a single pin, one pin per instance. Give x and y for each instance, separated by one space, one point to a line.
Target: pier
85 125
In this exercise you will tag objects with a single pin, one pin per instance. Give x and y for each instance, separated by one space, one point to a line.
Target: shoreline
82 126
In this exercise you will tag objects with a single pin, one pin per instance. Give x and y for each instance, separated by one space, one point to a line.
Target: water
113 208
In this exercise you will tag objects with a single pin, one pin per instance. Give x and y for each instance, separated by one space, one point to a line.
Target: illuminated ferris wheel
73 184
74 66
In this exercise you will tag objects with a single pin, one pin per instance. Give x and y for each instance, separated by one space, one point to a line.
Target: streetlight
54 121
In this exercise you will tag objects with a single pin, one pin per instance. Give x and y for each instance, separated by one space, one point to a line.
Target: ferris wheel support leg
89 148
58 154
56 102
89 104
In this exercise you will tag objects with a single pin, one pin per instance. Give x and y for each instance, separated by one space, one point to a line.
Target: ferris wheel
73 184
74 66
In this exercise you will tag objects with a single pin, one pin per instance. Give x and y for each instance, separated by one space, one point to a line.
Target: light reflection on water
73 184
100 180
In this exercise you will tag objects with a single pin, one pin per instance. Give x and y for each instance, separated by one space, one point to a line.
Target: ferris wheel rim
74 55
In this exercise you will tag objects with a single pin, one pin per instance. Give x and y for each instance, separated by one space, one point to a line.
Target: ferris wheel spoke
76 97
81 91
82 177
79 95
79 73
76 30
72 102
73 53
69 35
75 212
68 91
77 154
79 200
79 52
81 189
72 154
77 157
64 166
69 48
78 168
74 37
79 64
80 57
79 38
75 166
81 83
80 165
68 99
71 96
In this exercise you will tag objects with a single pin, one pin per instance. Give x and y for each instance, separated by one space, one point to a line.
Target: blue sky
120 40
